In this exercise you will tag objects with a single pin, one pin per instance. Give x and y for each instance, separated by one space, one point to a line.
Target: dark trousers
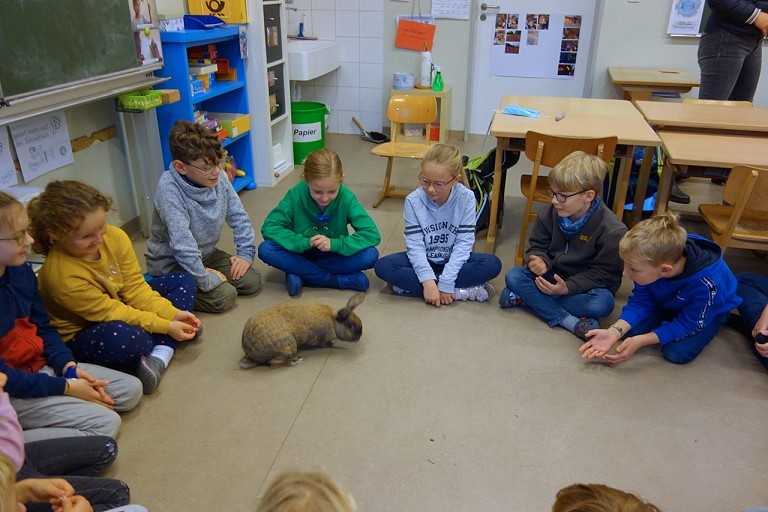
753 289
396 270
682 350
77 460
730 66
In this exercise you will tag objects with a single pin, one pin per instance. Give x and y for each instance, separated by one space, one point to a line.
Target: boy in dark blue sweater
682 295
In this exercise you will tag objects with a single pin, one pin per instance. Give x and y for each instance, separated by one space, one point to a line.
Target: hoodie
704 291
735 16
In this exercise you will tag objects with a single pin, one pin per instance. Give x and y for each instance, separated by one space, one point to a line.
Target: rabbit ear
355 301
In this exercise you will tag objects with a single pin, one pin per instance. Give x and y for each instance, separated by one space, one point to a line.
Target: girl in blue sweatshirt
439 219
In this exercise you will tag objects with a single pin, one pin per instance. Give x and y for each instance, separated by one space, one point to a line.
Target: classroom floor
461 408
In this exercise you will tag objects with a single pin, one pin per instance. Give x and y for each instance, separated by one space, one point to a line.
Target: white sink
309 59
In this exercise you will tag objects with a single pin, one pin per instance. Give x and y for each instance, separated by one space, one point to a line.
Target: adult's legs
725 60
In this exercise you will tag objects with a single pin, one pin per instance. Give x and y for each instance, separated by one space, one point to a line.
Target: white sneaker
479 293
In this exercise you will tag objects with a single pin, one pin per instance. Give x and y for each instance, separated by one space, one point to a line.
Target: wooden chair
548 150
404 109
742 221
726 103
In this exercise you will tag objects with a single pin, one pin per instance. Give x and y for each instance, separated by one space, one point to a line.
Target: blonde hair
311 491
10 211
323 163
660 239
60 209
579 171
7 479
445 155
599 498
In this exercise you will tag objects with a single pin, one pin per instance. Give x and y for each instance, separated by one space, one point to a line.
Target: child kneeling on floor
307 234
572 265
439 219
683 293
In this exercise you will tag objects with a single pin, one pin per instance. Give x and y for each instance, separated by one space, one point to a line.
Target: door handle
485 6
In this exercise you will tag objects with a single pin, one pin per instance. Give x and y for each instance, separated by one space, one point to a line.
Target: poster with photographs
536 45
146 33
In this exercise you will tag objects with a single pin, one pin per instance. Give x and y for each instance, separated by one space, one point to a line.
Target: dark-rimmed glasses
561 198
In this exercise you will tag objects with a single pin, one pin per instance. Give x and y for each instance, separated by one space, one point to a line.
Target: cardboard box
169 95
234 124
230 11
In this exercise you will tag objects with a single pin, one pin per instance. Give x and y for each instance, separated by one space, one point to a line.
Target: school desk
707 150
583 118
641 83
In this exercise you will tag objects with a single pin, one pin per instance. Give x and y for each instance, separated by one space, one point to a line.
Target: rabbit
273 336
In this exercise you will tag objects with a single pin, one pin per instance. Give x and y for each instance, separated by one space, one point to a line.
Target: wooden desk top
715 150
584 118
710 117
651 77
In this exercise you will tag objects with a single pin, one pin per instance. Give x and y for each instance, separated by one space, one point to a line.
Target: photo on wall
501 21
532 21
572 21
148 46
543 21
143 13
565 69
513 36
499 37
569 46
512 21
532 38
512 48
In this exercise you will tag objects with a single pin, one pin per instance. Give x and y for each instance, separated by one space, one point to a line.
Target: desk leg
490 239
642 186
622 182
665 185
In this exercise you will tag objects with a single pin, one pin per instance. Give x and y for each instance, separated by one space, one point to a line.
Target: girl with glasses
439 219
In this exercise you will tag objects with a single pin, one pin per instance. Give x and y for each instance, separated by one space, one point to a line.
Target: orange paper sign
412 35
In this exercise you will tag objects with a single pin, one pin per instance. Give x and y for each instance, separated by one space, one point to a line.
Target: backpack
634 176
479 172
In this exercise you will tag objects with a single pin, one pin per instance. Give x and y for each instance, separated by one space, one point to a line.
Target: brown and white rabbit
273 336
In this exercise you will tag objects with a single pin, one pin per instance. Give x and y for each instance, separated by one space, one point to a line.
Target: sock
163 353
569 322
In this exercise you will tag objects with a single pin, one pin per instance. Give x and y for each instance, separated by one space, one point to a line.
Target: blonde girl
311 491
439 219
95 292
307 234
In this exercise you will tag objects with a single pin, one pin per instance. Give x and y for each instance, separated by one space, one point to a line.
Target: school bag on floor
479 172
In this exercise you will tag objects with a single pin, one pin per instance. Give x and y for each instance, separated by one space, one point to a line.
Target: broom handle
354 120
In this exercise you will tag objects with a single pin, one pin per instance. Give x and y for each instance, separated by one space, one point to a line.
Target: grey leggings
730 65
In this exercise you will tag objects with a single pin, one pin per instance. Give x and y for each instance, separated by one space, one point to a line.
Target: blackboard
47 43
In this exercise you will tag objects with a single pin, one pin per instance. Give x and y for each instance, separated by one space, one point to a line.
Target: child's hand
321 243
431 293
181 331
599 343
99 385
84 390
446 298
189 319
624 351
537 265
238 267
41 490
218 274
544 286
72 504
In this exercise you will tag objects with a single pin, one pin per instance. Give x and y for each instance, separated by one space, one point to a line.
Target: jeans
77 460
683 350
396 270
118 344
223 297
753 289
730 66
316 268
596 303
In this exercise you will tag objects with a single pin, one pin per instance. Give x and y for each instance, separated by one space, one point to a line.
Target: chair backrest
727 103
554 149
738 181
411 109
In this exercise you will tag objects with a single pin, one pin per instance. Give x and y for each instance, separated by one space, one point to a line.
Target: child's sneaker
479 293
583 326
509 299
149 372
355 281
400 291
294 284
761 338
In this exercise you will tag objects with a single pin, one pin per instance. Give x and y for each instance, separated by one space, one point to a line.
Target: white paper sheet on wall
7 170
454 9
42 144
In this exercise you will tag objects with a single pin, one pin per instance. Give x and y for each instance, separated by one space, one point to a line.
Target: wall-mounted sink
309 59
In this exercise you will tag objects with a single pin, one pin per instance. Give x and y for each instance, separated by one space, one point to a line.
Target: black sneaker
149 372
584 326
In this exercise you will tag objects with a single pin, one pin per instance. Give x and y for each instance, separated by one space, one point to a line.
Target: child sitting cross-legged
572 266
683 293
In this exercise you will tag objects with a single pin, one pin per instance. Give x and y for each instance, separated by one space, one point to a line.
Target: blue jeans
682 350
396 270
596 303
753 289
316 268
730 66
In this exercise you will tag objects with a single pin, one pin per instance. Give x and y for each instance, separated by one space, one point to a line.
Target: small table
711 118
640 83
443 107
584 118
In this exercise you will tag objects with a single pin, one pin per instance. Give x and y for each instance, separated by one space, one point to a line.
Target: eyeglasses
20 237
212 169
437 184
561 198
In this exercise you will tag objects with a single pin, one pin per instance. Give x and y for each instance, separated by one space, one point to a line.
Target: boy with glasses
193 201
572 265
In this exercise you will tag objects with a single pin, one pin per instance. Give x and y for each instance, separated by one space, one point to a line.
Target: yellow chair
742 221
548 150
404 109
726 103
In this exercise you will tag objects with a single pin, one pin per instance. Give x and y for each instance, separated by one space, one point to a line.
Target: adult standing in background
730 49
